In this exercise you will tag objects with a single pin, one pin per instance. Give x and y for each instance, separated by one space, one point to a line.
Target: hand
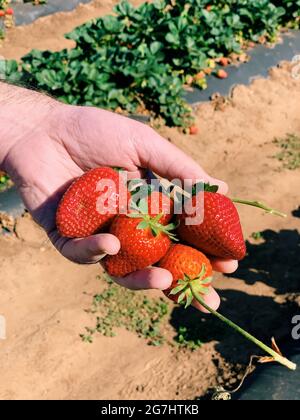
55 143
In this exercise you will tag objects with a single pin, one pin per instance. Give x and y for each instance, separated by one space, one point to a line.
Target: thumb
168 161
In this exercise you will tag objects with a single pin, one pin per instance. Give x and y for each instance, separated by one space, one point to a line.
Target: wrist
22 112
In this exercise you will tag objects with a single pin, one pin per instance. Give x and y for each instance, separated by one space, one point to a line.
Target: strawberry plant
4 181
142 57
118 307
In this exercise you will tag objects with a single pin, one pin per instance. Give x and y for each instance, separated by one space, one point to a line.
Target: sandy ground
43 296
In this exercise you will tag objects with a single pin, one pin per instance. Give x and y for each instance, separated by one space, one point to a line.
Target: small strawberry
193 130
199 76
208 71
224 61
188 267
192 273
87 207
9 12
220 234
2 13
222 74
144 241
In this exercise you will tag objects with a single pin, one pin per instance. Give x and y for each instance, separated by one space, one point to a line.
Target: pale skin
45 145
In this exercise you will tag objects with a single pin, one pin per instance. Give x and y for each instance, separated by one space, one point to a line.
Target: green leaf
189 300
172 39
155 47
178 289
181 298
143 225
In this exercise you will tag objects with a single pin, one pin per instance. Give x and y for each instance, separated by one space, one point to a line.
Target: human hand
51 144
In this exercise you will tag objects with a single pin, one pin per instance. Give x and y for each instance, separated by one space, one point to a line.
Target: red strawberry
2 13
199 76
79 213
186 265
220 234
224 61
222 74
208 71
9 12
144 241
193 130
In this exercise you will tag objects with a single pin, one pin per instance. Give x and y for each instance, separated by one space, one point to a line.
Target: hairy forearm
21 112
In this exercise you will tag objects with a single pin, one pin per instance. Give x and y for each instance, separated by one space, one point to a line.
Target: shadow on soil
296 213
274 261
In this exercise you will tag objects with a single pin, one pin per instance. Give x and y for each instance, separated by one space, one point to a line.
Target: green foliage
290 151
3 4
141 57
257 236
118 307
4 181
184 340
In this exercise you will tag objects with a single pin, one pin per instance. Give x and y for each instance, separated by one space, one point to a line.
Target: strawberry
192 278
144 241
199 76
79 213
222 74
193 130
9 12
2 13
159 203
224 61
187 266
220 234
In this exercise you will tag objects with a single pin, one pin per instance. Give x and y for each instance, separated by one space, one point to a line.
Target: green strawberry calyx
152 223
204 187
200 284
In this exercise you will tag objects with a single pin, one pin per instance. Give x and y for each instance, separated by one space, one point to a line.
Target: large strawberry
91 203
220 234
188 267
144 241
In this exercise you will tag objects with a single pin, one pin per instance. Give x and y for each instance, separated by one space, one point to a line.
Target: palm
83 138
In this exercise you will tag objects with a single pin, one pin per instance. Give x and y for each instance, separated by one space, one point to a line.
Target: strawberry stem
277 357
260 206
